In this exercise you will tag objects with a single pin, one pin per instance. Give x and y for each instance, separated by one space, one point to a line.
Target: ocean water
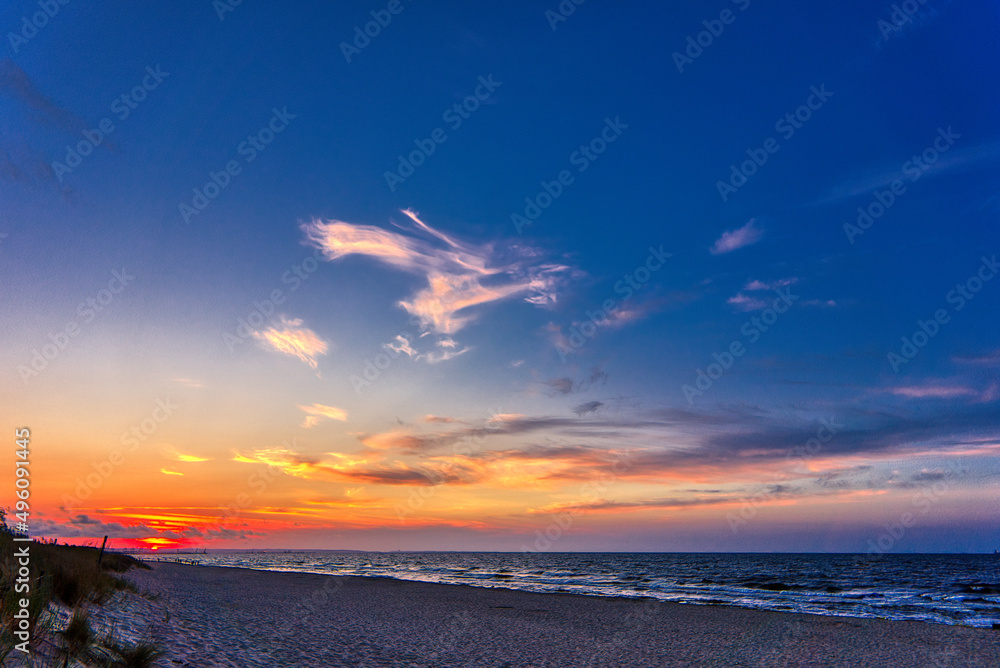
942 589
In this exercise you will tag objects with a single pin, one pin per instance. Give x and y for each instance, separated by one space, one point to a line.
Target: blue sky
466 321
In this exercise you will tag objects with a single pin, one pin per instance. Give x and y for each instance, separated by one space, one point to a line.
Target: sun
156 543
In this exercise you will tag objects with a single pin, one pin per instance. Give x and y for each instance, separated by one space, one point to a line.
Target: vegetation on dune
141 655
77 637
69 575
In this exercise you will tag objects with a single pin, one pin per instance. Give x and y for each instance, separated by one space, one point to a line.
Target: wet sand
242 618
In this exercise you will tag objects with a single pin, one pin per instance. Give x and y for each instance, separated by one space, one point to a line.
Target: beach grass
141 655
68 575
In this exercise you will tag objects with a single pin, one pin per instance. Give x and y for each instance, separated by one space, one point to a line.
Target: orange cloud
366 469
181 457
506 417
316 413
394 440
439 418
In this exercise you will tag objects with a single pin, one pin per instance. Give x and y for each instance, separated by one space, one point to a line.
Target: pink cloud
733 239
291 338
459 277
933 392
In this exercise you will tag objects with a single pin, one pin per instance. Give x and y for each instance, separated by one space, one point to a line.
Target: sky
698 276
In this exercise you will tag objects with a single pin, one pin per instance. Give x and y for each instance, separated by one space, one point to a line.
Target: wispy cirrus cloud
744 302
401 344
459 276
933 392
182 457
566 385
770 285
613 506
732 240
22 162
991 358
737 447
944 390
364 469
291 338
441 350
188 382
921 17
505 417
979 156
588 407
561 385
16 83
316 413
441 419
400 440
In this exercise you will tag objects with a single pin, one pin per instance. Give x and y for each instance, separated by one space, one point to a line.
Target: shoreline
235 616
838 599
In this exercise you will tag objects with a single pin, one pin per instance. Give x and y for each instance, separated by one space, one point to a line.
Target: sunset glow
603 300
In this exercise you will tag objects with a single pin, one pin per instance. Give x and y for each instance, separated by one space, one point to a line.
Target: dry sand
243 618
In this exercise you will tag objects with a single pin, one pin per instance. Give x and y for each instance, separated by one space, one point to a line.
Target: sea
937 588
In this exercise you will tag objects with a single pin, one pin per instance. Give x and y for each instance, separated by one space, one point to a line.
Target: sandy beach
242 618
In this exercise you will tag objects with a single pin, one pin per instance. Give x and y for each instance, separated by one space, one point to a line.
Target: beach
210 616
